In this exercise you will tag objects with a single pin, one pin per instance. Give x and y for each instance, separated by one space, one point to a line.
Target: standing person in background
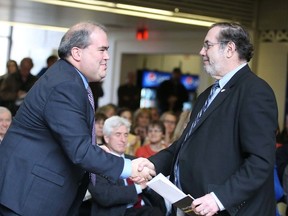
5 121
225 156
52 134
6 99
49 61
129 93
171 94
25 80
15 87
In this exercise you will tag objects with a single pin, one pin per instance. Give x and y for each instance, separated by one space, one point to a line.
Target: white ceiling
26 11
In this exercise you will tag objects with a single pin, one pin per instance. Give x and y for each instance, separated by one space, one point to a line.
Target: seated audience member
7 96
108 109
155 141
12 67
99 122
5 121
133 140
121 197
141 121
181 125
169 120
154 113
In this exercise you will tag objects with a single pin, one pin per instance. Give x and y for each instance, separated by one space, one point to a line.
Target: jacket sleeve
107 193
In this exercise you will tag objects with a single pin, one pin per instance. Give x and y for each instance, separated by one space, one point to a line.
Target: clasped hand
142 170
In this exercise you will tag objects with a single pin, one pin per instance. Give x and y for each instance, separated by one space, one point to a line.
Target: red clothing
144 151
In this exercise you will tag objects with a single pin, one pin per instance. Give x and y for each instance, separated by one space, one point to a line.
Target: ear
76 53
230 49
106 139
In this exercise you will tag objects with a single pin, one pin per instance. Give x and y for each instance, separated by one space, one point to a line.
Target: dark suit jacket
47 149
112 197
231 150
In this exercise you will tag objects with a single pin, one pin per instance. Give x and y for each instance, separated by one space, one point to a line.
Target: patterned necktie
91 100
200 113
204 108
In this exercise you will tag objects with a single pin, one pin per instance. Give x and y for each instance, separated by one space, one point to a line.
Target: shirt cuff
127 169
221 207
138 188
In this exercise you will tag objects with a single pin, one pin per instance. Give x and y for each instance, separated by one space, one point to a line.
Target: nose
202 51
106 56
123 138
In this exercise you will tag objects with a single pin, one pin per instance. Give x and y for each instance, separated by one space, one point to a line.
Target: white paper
166 188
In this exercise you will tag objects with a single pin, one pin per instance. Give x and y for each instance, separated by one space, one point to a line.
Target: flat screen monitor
152 79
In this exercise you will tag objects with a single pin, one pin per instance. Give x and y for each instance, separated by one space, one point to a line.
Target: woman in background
155 141
99 122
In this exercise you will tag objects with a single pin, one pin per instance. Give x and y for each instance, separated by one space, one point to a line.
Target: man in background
122 197
129 93
171 94
49 61
5 121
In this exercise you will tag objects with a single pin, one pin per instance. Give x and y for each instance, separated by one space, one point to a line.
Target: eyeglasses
155 131
207 45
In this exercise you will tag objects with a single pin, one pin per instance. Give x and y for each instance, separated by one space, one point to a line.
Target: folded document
170 192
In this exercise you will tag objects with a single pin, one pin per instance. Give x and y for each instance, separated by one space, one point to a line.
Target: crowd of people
222 152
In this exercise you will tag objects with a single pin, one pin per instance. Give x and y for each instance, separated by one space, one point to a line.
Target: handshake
142 170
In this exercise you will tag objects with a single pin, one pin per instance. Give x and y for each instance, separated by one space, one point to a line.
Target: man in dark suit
171 94
122 197
225 157
47 152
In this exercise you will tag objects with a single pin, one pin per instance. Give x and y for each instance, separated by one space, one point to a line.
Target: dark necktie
91 100
199 115
204 108
139 199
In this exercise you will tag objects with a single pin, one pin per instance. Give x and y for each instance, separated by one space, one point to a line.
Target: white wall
272 67
35 43
159 43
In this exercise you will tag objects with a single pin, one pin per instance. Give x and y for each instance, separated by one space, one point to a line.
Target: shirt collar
84 79
228 76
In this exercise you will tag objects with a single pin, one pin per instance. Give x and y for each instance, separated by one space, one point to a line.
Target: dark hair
238 35
157 124
124 109
77 36
13 62
51 59
100 116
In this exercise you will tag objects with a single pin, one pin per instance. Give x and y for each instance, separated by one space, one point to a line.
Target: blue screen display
152 79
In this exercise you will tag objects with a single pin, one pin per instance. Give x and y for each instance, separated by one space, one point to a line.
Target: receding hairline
4 110
87 26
